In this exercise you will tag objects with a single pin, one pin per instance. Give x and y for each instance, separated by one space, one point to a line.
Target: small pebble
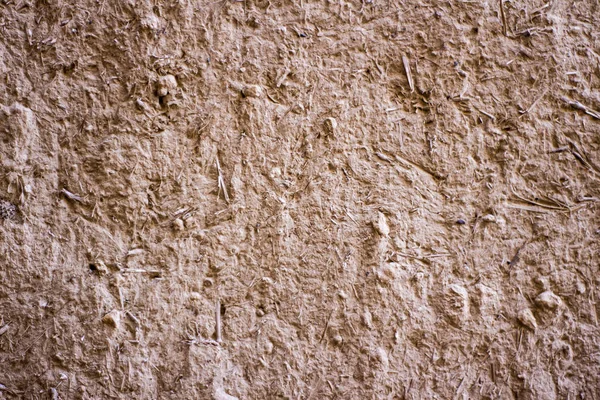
461 221
269 347
489 218
266 281
275 173
457 304
216 266
298 108
548 300
527 318
112 319
190 222
252 91
195 296
178 225
330 125
7 210
381 225
338 340
387 272
141 104
380 355
220 394
166 84
199 235
101 268
134 252
367 319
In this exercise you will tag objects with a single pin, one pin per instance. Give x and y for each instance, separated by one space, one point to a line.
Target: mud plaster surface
365 234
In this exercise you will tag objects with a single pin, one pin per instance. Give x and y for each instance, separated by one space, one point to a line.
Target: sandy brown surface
299 200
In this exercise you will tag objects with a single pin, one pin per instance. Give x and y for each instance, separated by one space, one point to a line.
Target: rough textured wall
361 200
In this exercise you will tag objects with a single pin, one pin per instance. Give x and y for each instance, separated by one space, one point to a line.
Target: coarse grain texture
259 199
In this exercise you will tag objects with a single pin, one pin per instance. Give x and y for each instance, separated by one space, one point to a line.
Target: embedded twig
221 182
536 202
282 78
218 321
383 156
534 103
406 63
579 155
578 106
151 273
422 258
485 113
134 252
538 11
72 196
421 168
513 261
135 320
4 329
503 15
326 326
459 388
192 341
559 150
